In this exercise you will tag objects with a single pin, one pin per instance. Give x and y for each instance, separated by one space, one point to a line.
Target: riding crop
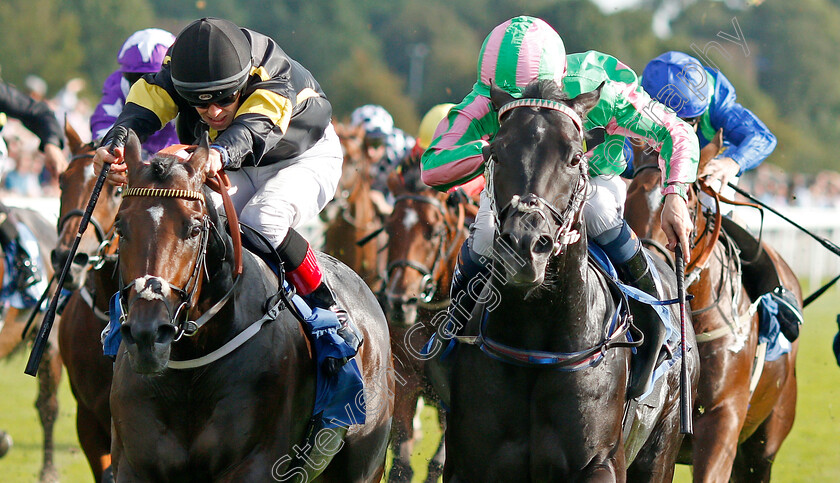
686 424
822 241
35 310
42 338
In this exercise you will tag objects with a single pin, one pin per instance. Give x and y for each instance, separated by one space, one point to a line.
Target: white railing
811 261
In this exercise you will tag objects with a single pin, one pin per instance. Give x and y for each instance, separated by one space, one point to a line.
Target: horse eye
576 159
195 230
118 228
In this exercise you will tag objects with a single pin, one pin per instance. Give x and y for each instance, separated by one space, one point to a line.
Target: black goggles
219 101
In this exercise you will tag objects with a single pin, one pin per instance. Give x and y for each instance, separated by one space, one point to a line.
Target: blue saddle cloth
339 399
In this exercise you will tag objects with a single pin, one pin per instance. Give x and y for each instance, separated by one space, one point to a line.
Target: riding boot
466 288
789 313
638 273
760 277
308 281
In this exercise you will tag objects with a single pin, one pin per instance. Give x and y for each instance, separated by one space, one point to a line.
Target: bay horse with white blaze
539 382
745 403
93 279
425 233
231 401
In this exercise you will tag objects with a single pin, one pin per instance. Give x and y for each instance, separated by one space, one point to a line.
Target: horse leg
720 409
436 463
656 460
95 443
405 406
49 376
756 455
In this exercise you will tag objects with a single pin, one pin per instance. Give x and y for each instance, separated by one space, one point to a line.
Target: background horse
540 393
424 236
12 323
743 401
352 215
243 416
93 279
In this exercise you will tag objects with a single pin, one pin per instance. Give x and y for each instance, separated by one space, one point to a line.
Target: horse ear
395 183
74 141
131 153
499 96
584 102
201 154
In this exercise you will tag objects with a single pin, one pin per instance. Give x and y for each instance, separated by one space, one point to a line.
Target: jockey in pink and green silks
524 49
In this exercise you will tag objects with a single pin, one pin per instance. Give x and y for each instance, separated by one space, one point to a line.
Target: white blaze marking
156 213
141 285
89 172
410 218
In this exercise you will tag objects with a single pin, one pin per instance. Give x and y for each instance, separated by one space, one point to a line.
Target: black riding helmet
210 61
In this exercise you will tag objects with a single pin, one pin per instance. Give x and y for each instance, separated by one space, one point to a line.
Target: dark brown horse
232 400
352 215
12 323
539 380
93 279
424 236
745 406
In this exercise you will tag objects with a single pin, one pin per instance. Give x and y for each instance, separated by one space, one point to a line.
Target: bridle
188 294
432 276
105 239
564 235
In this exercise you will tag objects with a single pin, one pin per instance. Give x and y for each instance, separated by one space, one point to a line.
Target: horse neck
558 315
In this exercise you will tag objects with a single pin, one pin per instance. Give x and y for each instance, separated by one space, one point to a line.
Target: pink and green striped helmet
519 51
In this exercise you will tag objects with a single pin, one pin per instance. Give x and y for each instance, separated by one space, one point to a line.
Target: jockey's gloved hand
457 197
116 138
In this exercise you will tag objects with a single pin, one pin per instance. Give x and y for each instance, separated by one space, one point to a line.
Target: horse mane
544 89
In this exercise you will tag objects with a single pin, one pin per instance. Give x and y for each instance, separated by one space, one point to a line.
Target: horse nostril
508 240
542 245
81 259
125 331
165 334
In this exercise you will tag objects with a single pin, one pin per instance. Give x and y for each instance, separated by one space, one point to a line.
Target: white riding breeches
603 210
272 199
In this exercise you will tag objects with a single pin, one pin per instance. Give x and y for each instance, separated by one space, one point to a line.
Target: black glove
116 138
457 197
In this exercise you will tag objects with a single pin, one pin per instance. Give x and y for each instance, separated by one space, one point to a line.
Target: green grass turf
810 453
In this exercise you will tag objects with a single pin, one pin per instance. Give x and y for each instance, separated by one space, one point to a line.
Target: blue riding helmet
679 81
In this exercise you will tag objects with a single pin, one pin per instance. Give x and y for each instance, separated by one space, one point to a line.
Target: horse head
537 177
644 200
166 249
96 244
423 240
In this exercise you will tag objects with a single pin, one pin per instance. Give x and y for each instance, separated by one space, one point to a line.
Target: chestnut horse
93 279
744 409
424 237
352 215
233 400
539 379
12 323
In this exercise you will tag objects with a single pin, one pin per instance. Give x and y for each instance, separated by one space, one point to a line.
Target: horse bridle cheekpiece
532 203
